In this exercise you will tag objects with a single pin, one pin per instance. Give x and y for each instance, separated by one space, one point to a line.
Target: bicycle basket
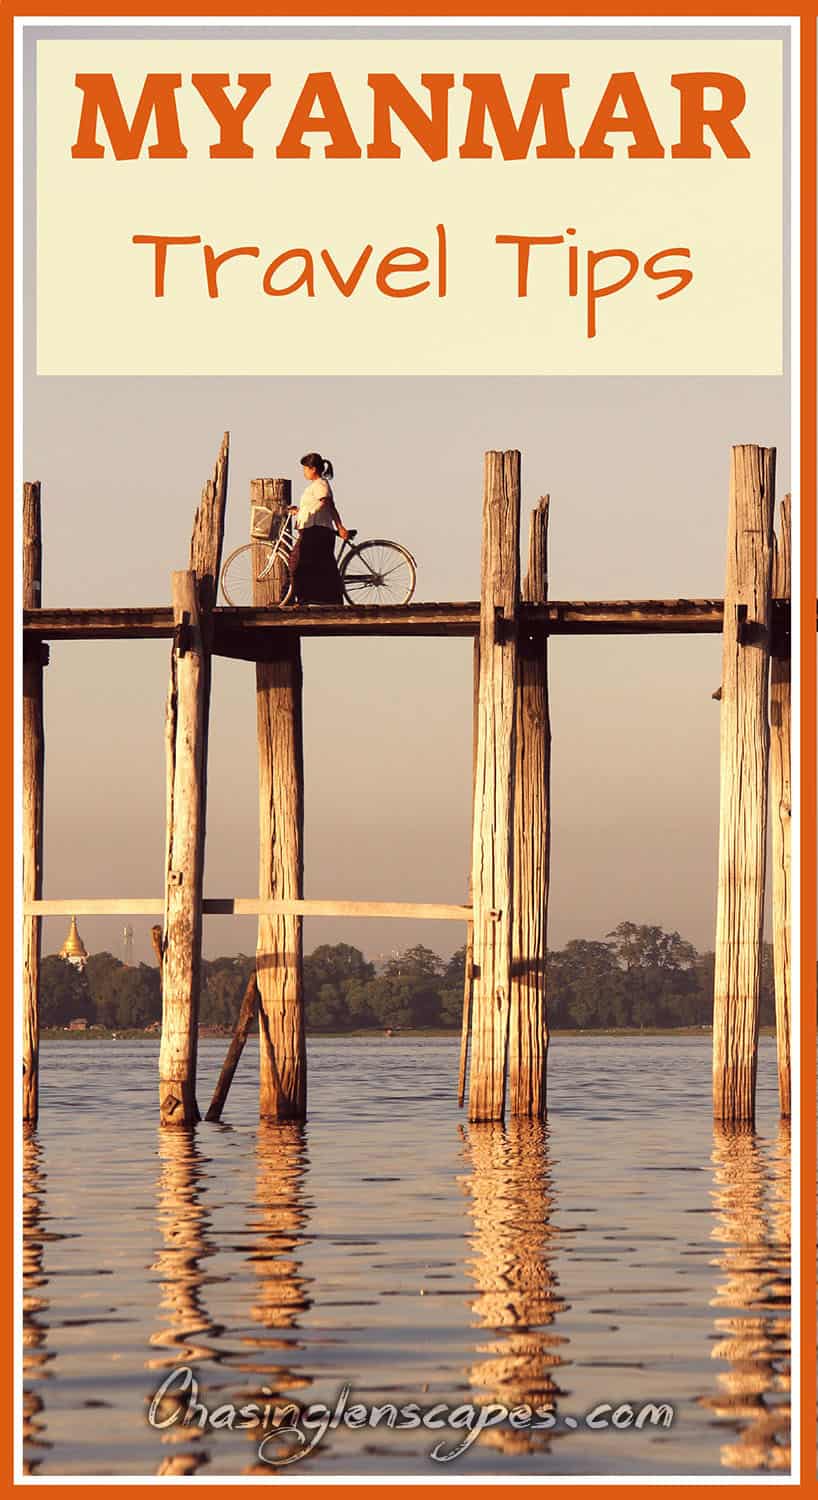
262 523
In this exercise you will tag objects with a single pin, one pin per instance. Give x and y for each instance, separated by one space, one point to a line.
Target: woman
316 579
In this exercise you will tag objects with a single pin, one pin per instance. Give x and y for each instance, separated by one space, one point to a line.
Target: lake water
619 1255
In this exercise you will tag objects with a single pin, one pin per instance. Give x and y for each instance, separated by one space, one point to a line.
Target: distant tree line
637 976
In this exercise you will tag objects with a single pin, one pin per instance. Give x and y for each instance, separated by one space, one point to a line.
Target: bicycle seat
352 532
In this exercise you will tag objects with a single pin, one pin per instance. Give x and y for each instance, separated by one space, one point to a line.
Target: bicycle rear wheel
378 572
250 563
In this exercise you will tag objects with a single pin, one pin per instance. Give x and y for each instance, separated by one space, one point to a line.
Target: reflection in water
512 1202
296 1303
35 1353
754 1232
183 1224
277 1220
277 1227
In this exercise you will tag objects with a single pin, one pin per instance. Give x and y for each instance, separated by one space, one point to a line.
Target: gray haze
638 474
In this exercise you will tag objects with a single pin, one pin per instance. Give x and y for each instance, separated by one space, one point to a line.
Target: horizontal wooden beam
248 633
231 626
138 624
623 616
235 627
240 906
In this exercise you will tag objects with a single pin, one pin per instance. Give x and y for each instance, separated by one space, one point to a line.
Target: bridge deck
239 632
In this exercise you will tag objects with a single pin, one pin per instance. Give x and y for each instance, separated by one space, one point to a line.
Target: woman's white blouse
313 509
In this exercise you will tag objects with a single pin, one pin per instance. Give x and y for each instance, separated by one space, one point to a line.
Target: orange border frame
415 8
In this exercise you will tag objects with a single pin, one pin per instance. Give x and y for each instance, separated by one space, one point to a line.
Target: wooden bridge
250 628
505 1023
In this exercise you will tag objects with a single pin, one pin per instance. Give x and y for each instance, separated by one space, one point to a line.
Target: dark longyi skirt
317 580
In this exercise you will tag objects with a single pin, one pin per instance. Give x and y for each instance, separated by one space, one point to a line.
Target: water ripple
624 1252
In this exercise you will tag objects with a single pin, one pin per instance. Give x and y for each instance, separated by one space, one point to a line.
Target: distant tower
127 944
74 949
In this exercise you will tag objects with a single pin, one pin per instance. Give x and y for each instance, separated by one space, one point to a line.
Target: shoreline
207 1033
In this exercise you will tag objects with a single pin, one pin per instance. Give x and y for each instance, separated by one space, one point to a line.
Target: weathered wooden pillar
493 845
179 946
465 1024
206 543
528 1026
468 967
781 803
279 952
744 762
182 939
34 658
207 536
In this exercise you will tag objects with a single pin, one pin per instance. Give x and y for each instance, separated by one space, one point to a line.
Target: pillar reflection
278 1226
36 1356
752 1229
184 1339
517 1301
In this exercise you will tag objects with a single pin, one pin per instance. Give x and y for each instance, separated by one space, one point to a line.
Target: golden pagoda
74 949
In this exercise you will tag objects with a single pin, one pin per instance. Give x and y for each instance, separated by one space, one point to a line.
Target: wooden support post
781 802
744 761
33 766
206 544
242 1031
279 954
493 845
208 533
468 967
182 940
186 728
465 1025
528 1027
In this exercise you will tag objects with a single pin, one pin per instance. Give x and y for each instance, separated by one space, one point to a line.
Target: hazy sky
638 474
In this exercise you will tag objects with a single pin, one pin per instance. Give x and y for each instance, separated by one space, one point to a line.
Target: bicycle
372 572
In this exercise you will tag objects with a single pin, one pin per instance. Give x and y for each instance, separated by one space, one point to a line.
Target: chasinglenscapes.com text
301 1429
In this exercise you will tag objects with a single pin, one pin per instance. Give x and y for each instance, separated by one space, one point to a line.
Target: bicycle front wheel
378 573
253 563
